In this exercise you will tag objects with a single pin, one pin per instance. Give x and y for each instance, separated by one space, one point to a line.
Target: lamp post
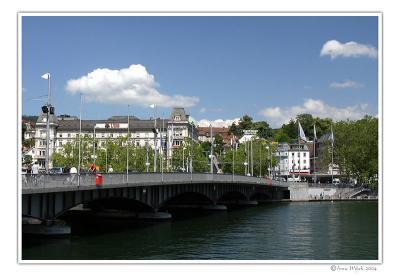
269 168
251 155
47 77
147 157
211 152
155 137
233 161
127 151
94 145
80 131
183 158
191 152
260 160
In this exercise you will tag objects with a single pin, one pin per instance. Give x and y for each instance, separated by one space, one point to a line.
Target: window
60 135
137 143
177 118
304 161
304 154
292 153
69 135
298 154
60 144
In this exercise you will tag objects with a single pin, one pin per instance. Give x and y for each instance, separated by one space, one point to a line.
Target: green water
278 231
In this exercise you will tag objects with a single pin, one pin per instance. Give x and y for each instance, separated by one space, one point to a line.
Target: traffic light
51 109
45 109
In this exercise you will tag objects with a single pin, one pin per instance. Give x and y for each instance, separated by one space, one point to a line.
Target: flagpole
127 151
332 152
80 131
298 155
315 137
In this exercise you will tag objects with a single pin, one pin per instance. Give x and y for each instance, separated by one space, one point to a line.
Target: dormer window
177 118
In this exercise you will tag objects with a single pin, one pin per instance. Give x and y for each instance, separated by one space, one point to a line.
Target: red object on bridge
99 179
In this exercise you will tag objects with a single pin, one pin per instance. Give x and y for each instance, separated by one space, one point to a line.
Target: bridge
46 197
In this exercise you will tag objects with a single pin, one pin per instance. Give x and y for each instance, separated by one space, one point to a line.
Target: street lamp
147 157
183 158
155 137
48 109
94 144
127 150
269 168
211 153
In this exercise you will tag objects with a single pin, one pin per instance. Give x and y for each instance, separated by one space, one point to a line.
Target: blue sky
270 68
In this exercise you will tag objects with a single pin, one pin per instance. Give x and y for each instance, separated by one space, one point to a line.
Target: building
204 134
162 134
323 151
293 159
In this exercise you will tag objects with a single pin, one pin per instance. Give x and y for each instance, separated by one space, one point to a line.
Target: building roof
88 125
223 131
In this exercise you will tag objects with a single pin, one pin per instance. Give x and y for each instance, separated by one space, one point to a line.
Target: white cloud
277 116
334 49
133 85
346 84
217 123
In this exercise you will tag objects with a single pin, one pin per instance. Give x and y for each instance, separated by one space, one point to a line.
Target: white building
164 134
292 159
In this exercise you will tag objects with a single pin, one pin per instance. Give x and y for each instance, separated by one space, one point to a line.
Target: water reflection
283 231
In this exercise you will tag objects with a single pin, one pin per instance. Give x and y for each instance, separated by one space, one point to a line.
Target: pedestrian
35 169
110 169
73 170
93 168
29 169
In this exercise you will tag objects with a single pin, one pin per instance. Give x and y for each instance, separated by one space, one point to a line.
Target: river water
276 231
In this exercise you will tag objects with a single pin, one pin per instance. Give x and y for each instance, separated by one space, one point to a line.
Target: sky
218 68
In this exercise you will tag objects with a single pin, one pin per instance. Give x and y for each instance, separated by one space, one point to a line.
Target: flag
331 138
152 106
46 76
301 133
315 134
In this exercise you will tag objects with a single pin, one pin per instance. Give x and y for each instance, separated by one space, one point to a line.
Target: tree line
356 149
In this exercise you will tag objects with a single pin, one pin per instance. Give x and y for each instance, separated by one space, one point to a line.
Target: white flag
153 106
46 76
331 138
301 133
315 134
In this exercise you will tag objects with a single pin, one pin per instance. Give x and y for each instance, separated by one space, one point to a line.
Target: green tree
290 130
357 149
218 144
235 130
246 122
28 143
280 136
263 128
307 123
261 158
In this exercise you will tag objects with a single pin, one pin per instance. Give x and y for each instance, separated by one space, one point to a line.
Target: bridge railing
43 181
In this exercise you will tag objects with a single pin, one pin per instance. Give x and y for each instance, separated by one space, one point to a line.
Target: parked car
58 170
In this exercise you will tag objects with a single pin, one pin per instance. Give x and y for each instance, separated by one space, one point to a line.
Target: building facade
161 134
293 159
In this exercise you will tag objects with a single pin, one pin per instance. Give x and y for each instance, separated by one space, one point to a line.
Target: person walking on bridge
35 169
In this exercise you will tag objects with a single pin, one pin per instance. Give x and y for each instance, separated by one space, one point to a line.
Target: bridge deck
56 183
